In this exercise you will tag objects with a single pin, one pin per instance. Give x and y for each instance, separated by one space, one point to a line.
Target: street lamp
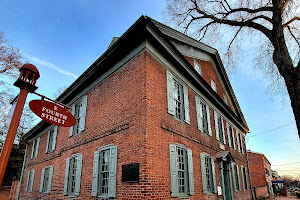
26 82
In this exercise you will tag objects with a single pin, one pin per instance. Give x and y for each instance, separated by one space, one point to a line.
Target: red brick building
261 174
156 119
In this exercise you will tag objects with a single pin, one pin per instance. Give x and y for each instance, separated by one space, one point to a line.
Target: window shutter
199 114
112 171
31 179
191 173
238 141
233 175
95 174
242 143
214 174
238 177
37 147
83 114
73 113
28 182
223 131
234 146
42 180
216 125
228 135
54 137
50 179
242 173
203 171
186 105
208 120
33 147
78 174
48 138
173 170
171 107
66 177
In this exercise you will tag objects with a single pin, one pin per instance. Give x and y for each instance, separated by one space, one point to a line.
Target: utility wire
271 130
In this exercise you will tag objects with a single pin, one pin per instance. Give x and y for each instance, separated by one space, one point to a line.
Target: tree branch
292 20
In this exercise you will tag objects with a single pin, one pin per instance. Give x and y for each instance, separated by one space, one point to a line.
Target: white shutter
228 135
214 174
83 114
78 174
203 173
186 105
238 177
31 179
95 174
171 107
208 120
190 172
33 147
67 176
173 170
199 114
112 171
42 180
242 143
54 137
216 125
73 113
37 147
223 131
50 179
48 139
234 146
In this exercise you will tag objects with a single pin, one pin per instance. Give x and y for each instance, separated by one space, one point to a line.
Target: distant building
157 118
275 175
261 174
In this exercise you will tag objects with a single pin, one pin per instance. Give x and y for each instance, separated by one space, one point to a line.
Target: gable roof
143 29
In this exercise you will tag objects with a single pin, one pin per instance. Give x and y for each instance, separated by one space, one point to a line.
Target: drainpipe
21 179
248 170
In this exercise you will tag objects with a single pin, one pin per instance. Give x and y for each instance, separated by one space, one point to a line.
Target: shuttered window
197 67
240 142
203 116
35 148
208 175
230 135
73 175
213 85
178 104
51 140
219 127
79 112
235 176
104 172
46 179
244 178
181 167
30 178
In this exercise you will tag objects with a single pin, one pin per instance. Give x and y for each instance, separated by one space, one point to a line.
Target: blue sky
63 38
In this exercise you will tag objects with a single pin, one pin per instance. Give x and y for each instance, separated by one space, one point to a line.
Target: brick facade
129 110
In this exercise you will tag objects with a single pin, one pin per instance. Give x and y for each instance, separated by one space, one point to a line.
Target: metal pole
10 137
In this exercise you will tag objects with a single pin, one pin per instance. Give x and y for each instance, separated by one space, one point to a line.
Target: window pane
178 99
104 172
181 163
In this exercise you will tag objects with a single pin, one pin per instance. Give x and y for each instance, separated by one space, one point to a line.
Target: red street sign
52 113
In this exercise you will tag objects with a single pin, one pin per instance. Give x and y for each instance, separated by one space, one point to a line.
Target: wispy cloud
50 65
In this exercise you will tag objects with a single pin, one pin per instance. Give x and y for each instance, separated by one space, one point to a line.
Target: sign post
26 82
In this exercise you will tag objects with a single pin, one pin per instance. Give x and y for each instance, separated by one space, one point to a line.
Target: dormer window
197 67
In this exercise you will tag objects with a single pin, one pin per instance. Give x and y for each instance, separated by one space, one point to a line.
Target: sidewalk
288 197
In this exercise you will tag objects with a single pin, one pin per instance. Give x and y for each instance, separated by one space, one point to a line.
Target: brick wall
261 192
257 169
129 110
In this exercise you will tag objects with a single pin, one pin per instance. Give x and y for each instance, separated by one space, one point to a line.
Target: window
244 177
203 117
79 112
35 148
51 141
73 175
30 178
230 135
209 184
181 167
197 67
46 179
104 172
213 85
235 176
239 142
178 103
219 127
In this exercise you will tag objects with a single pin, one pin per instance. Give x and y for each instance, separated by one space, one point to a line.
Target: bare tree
274 24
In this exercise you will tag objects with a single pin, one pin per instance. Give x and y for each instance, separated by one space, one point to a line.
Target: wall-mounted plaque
130 173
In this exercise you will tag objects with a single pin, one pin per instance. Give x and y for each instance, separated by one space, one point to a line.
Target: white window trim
52 148
213 85
203 173
48 190
35 148
30 177
81 125
196 63
200 119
